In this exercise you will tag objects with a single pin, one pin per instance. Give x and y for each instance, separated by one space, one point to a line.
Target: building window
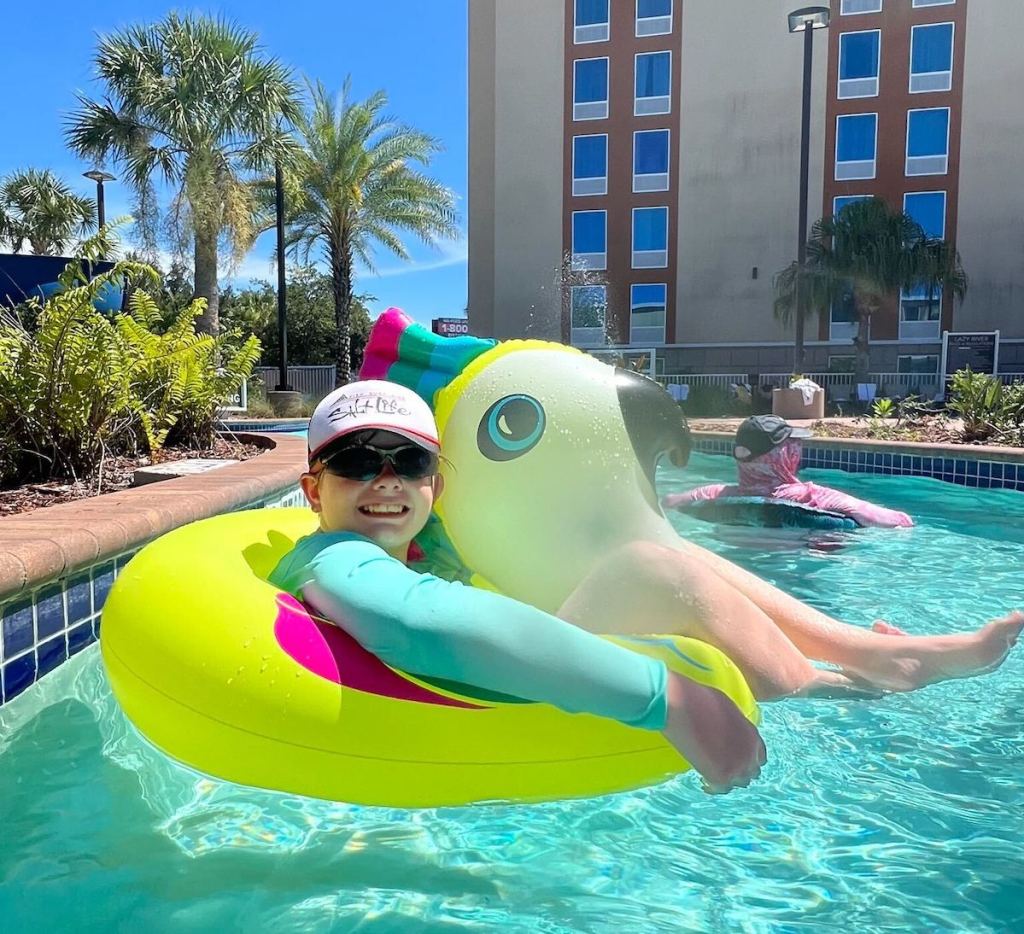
589 240
920 312
590 89
928 208
934 2
931 58
925 364
653 84
650 238
650 160
840 202
842 362
848 7
928 141
855 146
590 165
588 315
591 22
859 54
647 313
653 17
842 324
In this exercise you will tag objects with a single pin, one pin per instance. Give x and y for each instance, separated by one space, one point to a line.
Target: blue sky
414 50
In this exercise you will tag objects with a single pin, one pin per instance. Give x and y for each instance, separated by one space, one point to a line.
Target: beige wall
515 166
990 230
740 166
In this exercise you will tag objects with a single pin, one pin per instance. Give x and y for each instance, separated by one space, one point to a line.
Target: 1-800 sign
450 327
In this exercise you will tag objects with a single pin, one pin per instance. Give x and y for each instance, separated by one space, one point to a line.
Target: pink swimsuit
773 475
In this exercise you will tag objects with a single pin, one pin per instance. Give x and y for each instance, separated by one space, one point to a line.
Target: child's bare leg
897 665
645 588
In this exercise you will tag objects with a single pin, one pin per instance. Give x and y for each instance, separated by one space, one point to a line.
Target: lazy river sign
978 350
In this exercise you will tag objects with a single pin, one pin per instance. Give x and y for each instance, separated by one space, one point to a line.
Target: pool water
903 813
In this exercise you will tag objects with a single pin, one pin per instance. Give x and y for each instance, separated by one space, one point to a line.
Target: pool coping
45 544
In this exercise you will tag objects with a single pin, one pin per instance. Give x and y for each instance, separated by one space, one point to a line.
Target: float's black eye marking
510 428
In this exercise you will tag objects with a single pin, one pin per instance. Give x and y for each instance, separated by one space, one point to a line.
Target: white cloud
452 254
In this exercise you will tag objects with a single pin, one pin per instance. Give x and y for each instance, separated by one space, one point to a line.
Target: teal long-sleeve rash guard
440 629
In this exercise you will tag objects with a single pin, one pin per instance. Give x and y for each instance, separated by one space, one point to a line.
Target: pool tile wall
42 629
966 471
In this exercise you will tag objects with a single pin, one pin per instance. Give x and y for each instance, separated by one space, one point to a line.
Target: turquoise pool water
905 813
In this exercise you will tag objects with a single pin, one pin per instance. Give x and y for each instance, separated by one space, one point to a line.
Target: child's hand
709 730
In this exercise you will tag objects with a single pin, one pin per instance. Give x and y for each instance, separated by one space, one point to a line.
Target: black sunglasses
365 462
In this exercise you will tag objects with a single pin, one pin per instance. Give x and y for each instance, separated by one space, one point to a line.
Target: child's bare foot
886 629
915 661
838 685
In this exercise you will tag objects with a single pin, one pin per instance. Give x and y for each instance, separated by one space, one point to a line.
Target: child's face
389 510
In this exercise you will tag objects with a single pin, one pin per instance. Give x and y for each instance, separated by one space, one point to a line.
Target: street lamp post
99 177
282 303
804 20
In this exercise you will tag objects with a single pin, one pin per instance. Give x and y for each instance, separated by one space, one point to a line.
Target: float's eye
510 428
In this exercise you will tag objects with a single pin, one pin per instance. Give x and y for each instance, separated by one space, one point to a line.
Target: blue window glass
928 208
855 138
591 12
653 74
648 297
858 55
589 305
927 132
650 229
648 8
841 201
650 152
932 49
591 80
589 234
590 156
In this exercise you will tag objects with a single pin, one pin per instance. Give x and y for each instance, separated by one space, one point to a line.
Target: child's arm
421 624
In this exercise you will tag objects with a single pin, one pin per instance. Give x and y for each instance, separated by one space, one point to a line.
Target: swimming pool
906 812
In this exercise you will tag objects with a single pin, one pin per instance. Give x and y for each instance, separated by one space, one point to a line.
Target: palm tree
191 100
875 251
35 205
354 186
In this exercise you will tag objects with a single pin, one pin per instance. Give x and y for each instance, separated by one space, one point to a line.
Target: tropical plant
873 251
83 385
988 408
194 101
883 408
39 208
355 186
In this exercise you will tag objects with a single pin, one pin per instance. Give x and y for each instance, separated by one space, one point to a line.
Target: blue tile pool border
938 465
41 630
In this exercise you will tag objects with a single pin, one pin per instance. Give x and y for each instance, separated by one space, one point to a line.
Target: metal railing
314 382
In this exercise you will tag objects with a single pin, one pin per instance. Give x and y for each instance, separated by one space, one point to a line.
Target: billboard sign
450 327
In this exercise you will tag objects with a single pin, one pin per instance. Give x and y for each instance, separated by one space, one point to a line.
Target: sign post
450 327
978 350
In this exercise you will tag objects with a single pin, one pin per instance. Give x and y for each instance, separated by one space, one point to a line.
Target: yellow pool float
237 679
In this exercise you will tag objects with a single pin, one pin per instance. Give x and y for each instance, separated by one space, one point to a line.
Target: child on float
373 478
767 451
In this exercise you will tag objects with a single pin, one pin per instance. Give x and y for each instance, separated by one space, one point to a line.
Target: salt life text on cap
760 434
372 404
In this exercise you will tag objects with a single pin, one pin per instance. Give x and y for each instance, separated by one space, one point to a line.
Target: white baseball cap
372 404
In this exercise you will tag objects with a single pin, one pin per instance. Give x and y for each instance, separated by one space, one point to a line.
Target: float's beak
653 420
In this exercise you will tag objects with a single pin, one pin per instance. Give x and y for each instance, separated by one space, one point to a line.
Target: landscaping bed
115 475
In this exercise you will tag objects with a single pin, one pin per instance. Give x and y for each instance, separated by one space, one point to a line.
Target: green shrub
980 401
83 385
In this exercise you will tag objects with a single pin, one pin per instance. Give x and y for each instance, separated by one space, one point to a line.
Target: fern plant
82 385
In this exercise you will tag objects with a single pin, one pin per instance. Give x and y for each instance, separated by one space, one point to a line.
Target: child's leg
646 588
767 633
901 666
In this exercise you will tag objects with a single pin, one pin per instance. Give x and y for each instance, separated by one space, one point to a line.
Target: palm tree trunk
862 348
341 285
206 279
